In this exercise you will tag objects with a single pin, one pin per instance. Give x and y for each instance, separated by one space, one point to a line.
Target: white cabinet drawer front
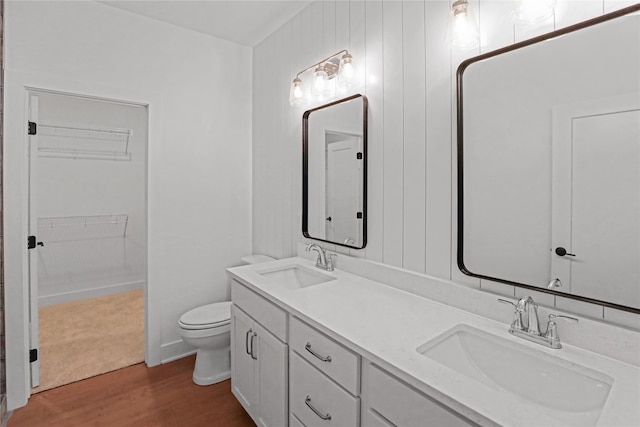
316 400
333 359
406 407
267 314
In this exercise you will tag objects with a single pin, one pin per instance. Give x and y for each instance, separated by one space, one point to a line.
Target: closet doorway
87 236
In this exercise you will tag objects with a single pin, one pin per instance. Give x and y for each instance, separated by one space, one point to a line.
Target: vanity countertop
387 325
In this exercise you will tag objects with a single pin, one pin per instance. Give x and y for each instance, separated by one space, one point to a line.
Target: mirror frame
305 169
460 153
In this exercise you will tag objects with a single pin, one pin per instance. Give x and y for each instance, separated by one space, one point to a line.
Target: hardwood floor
135 396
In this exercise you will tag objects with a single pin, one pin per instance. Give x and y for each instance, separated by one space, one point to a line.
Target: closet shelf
68 141
73 228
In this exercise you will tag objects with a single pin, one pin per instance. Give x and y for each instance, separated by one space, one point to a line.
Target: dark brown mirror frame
305 169
460 146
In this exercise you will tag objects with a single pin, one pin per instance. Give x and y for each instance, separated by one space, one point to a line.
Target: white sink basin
573 393
296 276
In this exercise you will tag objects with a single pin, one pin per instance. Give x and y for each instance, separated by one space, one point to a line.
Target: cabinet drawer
310 388
404 406
267 314
333 359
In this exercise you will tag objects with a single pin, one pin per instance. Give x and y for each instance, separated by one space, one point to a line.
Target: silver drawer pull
307 402
253 356
324 359
246 341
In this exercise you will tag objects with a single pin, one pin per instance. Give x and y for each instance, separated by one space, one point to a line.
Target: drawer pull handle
324 359
246 341
253 356
325 417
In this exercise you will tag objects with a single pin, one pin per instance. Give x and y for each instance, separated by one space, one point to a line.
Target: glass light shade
533 11
463 28
296 94
319 85
346 67
346 74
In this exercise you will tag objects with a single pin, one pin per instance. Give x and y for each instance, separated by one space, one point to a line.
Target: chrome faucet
323 261
525 323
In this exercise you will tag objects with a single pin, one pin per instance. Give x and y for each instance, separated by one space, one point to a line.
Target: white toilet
208 329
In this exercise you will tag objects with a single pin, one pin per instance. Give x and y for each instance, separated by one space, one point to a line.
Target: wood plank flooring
135 396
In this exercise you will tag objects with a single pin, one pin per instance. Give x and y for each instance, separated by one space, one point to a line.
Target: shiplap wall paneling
410 84
457 56
393 134
415 164
374 78
438 121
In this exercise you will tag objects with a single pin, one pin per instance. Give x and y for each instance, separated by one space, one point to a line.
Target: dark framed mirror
334 174
549 163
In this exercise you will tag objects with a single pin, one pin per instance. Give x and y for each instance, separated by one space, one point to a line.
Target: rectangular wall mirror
549 163
334 187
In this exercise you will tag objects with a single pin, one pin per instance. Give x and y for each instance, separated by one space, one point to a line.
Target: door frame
16 214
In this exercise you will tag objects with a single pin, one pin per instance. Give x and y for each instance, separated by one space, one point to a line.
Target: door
343 188
598 220
272 379
242 366
34 332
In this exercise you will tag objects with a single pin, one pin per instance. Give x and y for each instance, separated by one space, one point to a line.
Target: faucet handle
507 302
553 317
516 324
552 332
331 260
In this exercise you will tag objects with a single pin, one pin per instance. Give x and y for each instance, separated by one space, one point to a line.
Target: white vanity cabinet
324 379
259 357
389 402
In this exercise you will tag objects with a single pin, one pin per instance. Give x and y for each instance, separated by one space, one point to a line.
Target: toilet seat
216 315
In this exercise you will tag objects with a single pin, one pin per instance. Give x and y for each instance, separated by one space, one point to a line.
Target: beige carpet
82 339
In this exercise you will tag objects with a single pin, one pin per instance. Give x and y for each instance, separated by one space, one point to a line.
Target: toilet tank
256 259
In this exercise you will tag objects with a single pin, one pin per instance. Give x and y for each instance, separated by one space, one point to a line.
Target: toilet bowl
208 329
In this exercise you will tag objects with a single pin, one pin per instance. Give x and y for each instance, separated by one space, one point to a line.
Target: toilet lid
210 315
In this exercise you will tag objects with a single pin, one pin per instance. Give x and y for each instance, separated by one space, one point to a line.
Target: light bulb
319 87
296 94
532 11
463 29
346 66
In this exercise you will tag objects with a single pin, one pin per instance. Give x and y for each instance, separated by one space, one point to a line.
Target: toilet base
212 366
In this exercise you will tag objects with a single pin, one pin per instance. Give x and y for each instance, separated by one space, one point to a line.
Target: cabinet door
242 366
272 379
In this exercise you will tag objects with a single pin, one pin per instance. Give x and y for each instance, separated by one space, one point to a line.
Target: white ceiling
247 22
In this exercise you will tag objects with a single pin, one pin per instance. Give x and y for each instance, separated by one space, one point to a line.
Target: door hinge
33 355
359 155
33 128
359 215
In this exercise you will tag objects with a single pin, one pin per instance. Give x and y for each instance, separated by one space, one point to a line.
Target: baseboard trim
46 300
175 350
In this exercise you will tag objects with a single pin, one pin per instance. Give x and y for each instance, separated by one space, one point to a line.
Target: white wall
199 94
410 83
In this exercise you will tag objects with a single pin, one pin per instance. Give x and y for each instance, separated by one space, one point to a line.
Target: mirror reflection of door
342 187
596 198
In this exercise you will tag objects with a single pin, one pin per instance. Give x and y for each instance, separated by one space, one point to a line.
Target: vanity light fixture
325 70
533 11
463 28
